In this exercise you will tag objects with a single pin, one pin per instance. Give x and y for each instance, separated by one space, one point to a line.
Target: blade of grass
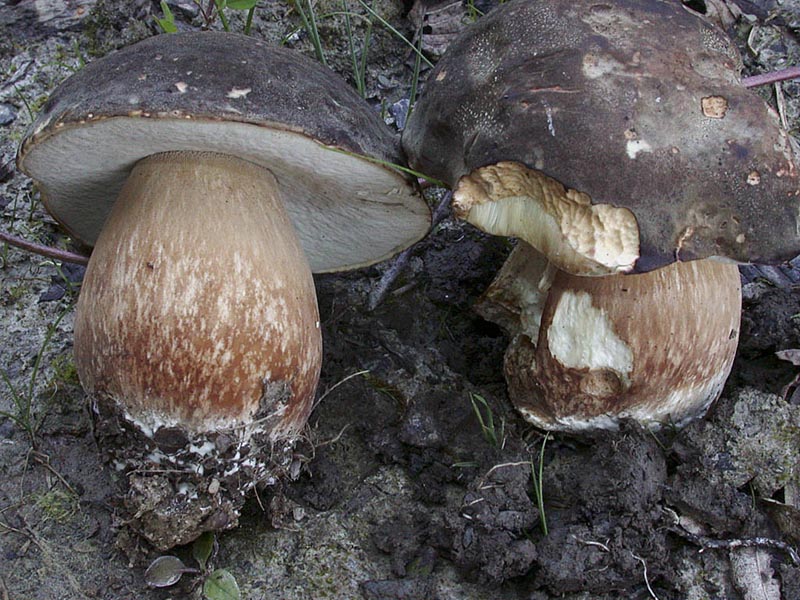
28 108
310 25
391 165
353 56
412 96
388 26
362 73
24 402
537 484
487 425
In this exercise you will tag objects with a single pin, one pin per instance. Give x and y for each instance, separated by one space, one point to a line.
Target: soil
399 493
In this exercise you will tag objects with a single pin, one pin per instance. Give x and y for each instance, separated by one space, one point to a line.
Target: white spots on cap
236 93
596 66
134 100
634 147
582 337
714 107
548 111
753 177
181 86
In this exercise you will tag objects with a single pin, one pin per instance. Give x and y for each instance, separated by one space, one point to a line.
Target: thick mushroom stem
590 351
197 325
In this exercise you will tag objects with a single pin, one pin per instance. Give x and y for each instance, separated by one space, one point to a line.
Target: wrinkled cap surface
234 95
635 104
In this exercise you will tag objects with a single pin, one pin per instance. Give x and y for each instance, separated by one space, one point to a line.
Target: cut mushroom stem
197 329
587 352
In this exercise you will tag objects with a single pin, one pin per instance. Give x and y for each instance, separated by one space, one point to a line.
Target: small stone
7 114
399 110
189 10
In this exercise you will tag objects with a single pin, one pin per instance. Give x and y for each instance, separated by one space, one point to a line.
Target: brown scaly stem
49 252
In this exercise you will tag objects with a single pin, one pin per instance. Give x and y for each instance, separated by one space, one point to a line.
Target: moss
64 371
57 505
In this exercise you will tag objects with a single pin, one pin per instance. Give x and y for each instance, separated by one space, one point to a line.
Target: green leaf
202 549
241 4
164 571
168 22
221 585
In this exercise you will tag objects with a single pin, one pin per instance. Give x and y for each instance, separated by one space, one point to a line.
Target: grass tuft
483 412
23 414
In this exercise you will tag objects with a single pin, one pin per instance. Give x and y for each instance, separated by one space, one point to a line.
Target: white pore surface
348 212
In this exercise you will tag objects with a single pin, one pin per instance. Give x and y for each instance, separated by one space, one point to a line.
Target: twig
49 252
44 460
772 77
378 293
706 543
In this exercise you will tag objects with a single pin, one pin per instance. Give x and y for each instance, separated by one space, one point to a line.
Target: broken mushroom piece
612 138
212 174
655 347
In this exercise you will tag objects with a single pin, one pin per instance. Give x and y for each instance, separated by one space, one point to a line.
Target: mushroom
212 174
617 143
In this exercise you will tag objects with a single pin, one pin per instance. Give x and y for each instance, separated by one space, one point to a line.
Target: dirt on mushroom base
401 494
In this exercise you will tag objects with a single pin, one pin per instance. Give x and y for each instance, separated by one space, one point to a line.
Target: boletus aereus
212 174
616 142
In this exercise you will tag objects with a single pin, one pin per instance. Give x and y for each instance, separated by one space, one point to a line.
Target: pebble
7 114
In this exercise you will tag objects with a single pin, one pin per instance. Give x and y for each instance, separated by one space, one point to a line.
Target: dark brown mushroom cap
636 103
230 94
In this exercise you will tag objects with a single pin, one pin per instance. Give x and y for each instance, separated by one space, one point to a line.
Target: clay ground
399 494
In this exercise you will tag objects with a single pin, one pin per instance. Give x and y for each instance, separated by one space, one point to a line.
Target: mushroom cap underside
635 104
234 95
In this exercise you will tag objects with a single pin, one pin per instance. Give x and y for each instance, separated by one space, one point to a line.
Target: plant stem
49 252
249 21
388 26
221 12
772 77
